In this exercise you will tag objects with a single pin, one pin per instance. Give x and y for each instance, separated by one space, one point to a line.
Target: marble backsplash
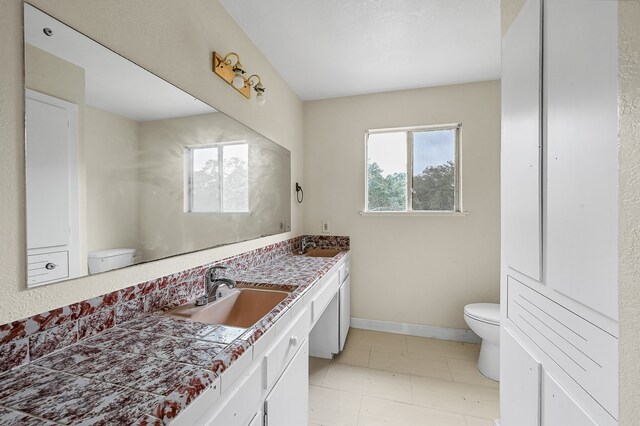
32 338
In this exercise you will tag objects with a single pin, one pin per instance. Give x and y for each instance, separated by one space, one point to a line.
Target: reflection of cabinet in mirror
52 180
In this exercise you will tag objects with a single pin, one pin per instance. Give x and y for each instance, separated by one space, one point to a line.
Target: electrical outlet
325 227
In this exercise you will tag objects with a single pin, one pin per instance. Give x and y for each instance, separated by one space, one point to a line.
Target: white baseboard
442 333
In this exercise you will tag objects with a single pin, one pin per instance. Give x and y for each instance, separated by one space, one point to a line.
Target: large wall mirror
123 167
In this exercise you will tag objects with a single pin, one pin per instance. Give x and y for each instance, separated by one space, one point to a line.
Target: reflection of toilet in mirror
106 260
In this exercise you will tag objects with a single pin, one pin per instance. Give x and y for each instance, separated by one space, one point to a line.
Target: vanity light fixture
231 70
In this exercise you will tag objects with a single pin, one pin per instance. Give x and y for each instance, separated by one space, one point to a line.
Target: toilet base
489 360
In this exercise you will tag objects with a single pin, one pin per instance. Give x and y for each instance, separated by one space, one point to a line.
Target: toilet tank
106 260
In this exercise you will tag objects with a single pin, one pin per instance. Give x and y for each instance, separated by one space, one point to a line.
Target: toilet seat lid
487 312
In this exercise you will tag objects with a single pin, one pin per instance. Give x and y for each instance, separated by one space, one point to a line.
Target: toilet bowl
484 320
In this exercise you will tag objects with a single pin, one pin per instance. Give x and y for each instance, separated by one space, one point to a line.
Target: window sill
417 213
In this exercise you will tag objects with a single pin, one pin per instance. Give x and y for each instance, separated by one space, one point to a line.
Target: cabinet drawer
43 268
286 346
324 296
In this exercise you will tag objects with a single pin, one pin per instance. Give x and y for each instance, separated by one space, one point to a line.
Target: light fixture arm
228 61
251 82
231 70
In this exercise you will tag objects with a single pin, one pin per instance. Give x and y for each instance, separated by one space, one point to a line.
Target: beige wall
172 39
629 208
419 270
111 158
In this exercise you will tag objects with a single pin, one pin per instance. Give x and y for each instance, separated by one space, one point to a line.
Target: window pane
235 189
434 170
387 171
205 181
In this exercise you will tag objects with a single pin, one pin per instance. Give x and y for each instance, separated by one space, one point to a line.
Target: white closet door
47 176
581 145
519 383
521 143
560 408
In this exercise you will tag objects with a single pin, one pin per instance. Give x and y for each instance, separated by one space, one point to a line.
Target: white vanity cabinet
331 325
268 384
559 337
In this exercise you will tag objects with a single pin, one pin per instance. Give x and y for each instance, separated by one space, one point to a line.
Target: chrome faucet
212 282
304 245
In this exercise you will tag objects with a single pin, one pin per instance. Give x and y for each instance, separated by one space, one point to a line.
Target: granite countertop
147 370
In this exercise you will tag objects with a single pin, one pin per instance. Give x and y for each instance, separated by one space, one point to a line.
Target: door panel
288 402
47 176
580 74
521 143
560 408
519 383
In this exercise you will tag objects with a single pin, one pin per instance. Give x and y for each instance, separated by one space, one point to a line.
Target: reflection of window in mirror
218 178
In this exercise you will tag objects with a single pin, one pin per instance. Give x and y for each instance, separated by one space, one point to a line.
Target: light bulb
260 99
238 80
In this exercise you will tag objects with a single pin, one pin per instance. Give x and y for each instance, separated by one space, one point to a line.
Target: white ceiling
332 48
112 83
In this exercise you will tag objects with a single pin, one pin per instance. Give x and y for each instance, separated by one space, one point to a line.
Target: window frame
188 168
457 197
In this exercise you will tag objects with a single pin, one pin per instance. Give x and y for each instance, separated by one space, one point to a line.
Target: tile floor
391 379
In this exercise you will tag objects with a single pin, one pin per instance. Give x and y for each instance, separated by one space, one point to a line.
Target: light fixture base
226 72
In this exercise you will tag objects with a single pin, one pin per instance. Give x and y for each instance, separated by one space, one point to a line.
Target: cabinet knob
50 266
293 341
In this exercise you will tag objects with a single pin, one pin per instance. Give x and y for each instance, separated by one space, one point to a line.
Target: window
218 178
414 169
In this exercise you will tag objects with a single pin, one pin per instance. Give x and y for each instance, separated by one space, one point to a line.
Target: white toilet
106 260
484 320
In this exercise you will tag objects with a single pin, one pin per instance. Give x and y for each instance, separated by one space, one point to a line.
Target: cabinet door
521 143
581 75
519 383
560 409
288 402
345 310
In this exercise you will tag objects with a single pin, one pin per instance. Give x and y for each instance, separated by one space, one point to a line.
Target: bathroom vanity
268 383
133 356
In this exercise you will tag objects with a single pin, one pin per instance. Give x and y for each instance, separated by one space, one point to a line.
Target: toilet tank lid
484 311
111 252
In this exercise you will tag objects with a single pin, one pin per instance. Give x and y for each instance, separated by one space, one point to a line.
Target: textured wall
629 207
411 269
174 40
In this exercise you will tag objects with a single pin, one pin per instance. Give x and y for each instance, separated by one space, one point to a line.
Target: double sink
242 307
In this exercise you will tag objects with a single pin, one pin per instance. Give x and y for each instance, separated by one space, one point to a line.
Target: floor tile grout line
449 370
